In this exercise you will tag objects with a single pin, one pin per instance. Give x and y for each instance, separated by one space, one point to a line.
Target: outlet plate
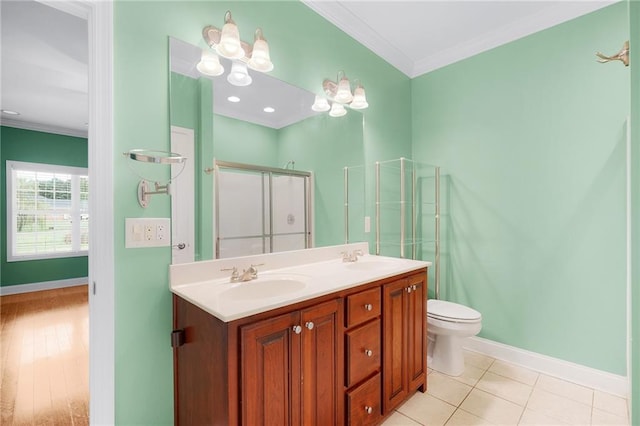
147 232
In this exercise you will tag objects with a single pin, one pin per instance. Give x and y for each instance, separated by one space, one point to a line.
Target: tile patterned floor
493 392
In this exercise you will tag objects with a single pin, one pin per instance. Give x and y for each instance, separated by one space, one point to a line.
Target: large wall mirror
206 124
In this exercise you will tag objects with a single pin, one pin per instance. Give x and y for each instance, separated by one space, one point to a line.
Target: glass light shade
209 64
260 60
320 104
337 110
359 99
239 76
343 94
229 45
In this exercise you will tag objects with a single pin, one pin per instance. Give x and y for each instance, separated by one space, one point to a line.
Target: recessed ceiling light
233 99
9 112
269 109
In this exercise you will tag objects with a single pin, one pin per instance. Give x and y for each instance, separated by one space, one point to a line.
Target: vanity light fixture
339 95
227 43
210 64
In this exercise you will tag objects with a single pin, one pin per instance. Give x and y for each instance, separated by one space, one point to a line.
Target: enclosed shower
260 209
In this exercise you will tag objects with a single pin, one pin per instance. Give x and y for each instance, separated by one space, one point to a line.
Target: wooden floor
44 345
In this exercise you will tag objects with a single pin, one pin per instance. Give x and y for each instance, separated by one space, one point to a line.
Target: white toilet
448 324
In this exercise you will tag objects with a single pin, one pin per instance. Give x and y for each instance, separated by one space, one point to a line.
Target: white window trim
12 202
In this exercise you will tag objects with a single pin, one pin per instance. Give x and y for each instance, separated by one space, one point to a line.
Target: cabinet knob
368 307
309 325
414 287
297 329
368 352
368 409
409 289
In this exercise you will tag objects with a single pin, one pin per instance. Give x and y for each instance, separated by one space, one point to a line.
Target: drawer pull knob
368 409
297 329
414 287
368 352
309 325
368 307
409 289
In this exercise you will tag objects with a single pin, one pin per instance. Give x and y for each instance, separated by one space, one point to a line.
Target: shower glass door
260 210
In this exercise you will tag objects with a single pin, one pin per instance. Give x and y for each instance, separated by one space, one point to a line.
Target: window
47 211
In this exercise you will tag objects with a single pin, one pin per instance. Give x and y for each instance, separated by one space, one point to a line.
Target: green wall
634 24
47 148
531 137
303 57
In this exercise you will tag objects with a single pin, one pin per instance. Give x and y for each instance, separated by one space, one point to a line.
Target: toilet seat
452 312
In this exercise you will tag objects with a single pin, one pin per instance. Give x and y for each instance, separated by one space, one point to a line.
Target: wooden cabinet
404 337
347 357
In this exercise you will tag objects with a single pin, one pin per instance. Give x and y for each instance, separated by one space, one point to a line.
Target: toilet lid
449 311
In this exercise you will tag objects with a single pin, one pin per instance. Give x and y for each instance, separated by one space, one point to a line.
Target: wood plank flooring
44 348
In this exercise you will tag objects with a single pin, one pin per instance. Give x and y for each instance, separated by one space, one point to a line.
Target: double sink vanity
316 337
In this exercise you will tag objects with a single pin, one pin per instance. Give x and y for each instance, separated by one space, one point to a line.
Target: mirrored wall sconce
338 95
226 42
153 157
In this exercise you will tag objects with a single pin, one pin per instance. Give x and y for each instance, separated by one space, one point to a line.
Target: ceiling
44 51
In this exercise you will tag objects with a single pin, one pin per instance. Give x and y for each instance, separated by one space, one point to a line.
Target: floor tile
610 403
492 408
505 388
534 418
569 390
397 419
427 410
520 374
602 418
477 359
470 375
447 389
462 418
559 407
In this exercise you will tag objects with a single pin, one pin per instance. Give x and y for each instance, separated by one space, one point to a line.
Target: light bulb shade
320 104
209 64
337 110
260 59
359 99
343 94
229 45
239 76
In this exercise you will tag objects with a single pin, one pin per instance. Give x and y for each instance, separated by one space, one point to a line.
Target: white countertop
305 274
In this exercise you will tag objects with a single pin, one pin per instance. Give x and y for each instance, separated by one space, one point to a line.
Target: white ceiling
44 51
422 35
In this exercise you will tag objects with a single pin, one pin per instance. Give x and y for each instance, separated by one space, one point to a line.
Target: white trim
569 371
101 231
45 285
629 251
351 24
44 128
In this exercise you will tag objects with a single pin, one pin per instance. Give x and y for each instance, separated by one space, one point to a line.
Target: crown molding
357 29
45 128
562 12
343 18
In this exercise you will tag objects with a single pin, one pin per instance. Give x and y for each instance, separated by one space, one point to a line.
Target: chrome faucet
351 257
248 274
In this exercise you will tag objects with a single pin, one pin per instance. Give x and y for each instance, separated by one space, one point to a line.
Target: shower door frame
269 172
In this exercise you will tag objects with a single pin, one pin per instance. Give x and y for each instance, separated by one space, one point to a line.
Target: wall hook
622 55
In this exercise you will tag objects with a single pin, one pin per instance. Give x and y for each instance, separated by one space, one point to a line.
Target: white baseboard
569 371
46 285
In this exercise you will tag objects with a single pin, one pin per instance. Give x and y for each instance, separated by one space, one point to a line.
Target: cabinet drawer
363 352
363 306
363 403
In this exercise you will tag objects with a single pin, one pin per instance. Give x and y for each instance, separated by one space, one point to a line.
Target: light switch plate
147 232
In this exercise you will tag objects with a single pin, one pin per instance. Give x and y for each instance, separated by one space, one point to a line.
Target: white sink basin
265 287
369 264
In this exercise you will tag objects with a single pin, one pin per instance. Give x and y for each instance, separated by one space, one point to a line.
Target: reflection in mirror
292 136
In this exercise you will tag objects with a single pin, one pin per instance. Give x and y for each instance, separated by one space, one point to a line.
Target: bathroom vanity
313 340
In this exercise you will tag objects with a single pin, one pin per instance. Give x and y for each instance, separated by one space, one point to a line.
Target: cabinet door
416 323
270 364
394 336
321 355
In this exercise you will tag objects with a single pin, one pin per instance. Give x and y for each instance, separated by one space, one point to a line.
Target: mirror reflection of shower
261 209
